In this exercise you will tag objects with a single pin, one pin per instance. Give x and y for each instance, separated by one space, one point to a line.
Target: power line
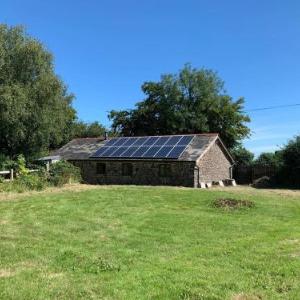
273 107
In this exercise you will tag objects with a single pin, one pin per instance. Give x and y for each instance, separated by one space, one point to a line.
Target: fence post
11 174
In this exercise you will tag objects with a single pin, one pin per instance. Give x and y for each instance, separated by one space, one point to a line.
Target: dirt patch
54 275
6 273
230 203
292 241
246 297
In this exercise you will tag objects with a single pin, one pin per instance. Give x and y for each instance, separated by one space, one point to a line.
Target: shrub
6 163
29 182
64 172
21 165
34 182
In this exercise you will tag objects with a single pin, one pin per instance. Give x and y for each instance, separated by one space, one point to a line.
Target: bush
29 182
34 182
6 163
64 172
21 165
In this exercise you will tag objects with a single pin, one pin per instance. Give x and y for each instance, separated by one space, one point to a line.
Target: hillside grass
149 243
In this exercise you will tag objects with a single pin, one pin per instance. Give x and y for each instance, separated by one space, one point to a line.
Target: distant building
180 160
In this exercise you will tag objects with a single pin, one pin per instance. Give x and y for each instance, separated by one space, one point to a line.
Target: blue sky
105 50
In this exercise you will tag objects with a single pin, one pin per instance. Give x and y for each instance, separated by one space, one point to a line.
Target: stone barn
180 160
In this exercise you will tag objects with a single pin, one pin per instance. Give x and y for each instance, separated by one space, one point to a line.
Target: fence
11 174
247 174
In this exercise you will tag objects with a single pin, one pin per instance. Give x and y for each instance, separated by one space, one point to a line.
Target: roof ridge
179 134
91 138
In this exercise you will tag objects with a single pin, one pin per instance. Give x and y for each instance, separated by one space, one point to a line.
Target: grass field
149 243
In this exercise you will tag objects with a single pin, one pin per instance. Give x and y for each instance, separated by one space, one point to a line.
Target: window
165 170
101 168
127 169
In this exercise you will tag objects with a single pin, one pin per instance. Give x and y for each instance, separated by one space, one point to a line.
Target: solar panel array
144 147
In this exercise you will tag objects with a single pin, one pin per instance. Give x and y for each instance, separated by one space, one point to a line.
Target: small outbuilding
180 160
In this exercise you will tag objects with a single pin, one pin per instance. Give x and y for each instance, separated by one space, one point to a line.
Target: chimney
105 135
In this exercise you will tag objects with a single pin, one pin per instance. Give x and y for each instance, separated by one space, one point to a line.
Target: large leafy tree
193 101
290 156
269 159
82 129
242 156
35 107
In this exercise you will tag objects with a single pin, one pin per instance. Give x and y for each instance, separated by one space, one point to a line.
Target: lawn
149 243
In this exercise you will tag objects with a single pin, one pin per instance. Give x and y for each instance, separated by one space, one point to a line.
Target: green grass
149 243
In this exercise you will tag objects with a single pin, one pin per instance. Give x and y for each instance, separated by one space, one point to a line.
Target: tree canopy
290 156
269 158
82 129
242 156
193 101
35 106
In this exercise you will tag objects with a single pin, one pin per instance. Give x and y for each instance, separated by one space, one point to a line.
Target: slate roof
194 151
84 148
198 146
78 149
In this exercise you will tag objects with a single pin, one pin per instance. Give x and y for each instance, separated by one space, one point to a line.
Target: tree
290 171
35 107
81 129
269 158
193 101
242 156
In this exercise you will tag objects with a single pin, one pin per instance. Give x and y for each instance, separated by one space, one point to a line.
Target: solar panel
157 147
141 141
176 152
163 152
151 141
140 152
151 151
173 140
162 140
185 140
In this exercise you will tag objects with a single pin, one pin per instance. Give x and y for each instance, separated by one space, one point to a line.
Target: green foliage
81 129
25 182
269 159
35 107
193 101
32 182
60 174
21 165
6 163
64 172
242 156
290 171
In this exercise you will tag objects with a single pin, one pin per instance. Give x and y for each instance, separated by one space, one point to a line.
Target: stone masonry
214 165
181 173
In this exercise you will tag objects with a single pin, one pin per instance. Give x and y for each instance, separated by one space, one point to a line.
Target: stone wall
181 173
214 165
